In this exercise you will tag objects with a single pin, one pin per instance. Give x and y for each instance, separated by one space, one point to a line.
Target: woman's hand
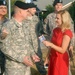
46 61
47 43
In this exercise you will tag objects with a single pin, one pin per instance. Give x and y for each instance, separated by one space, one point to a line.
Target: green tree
72 11
44 13
49 9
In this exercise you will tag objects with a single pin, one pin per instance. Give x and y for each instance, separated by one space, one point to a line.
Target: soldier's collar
18 24
30 17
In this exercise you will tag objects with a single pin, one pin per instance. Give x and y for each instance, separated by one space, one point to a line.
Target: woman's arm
63 48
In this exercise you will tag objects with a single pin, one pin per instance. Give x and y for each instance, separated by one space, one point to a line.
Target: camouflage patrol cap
21 5
57 1
3 2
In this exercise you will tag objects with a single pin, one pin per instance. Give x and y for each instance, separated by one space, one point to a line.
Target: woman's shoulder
57 31
68 32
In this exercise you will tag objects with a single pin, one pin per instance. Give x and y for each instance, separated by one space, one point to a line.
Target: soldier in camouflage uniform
36 30
3 19
50 24
17 44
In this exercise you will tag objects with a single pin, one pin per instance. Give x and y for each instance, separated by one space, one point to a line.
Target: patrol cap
32 5
57 1
3 2
21 5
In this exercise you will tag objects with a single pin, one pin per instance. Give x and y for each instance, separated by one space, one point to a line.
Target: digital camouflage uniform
31 24
2 57
16 46
36 30
49 25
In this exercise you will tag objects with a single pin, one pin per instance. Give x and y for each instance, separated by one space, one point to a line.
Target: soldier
35 30
50 24
17 44
3 19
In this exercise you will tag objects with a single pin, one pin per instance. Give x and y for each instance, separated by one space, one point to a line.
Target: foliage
44 13
49 9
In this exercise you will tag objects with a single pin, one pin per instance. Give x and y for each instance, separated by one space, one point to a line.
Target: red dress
59 63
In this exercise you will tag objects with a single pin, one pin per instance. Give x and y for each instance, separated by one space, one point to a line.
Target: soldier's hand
35 58
4 34
71 48
27 61
4 31
71 52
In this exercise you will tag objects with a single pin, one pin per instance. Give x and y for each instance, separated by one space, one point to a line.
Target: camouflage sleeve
72 29
30 38
29 45
31 49
46 26
39 29
34 38
9 50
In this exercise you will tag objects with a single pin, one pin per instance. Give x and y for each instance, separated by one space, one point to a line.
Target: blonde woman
59 59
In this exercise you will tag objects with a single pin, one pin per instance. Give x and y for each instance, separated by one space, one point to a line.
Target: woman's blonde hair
66 19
